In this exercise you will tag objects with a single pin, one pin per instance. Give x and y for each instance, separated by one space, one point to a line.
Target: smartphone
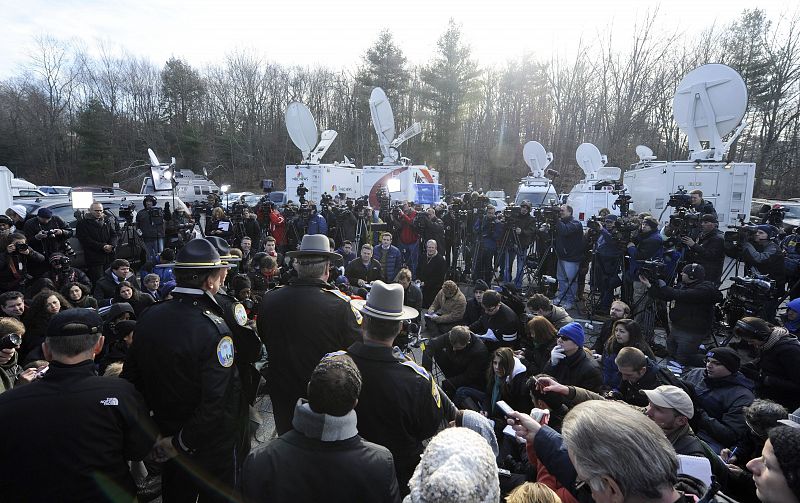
507 410
40 373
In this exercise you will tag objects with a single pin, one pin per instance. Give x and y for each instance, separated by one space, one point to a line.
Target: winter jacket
67 275
559 317
14 269
545 477
450 309
766 257
569 239
461 368
705 208
93 234
48 245
412 297
317 224
607 246
408 234
535 356
490 231
106 286
648 247
277 227
392 258
356 270
504 324
721 418
516 394
631 393
693 310
151 222
473 312
776 372
709 252
611 376
579 370
432 272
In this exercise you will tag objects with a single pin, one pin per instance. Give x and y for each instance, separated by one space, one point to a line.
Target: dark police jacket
182 361
299 324
399 405
77 432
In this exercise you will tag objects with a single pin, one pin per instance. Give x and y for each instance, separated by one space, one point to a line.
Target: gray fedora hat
314 245
385 302
199 254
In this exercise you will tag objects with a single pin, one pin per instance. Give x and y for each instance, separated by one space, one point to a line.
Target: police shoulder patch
225 351
337 293
240 314
419 369
357 314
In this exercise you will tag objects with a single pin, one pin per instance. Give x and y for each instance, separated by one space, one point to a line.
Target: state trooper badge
225 351
240 314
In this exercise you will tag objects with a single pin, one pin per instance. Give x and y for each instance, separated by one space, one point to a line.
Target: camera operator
764 256
433 229
316 223
403 219
607 262
453 224
791 249
276 227
251 228
61 273
150 227
524 227
709 248
14 259
98 237
647 245
569 250
489 230
700 205
46 233
692 315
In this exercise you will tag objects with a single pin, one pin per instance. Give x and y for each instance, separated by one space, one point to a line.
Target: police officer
182 361
302 322
81 429
400 404
245 337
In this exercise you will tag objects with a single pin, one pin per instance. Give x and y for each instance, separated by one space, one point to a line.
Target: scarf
776 335
323 426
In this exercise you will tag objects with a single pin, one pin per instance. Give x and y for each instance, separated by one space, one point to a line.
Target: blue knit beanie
574 332
771 230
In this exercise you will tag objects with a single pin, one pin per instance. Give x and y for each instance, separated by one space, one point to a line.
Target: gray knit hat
481 425
457 467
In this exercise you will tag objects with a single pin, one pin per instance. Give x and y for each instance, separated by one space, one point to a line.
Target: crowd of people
136 371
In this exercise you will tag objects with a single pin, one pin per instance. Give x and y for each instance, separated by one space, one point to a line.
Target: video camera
747 295
774 216
682 223
237 211
680 199
301 192
653 270
126 212
547 214
623 201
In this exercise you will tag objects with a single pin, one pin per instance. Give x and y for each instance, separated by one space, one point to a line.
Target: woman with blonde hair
532 492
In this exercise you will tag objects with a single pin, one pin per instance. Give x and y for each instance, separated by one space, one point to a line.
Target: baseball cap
671 397
76 321
709 217
44 213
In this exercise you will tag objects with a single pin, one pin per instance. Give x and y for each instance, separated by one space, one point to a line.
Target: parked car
55 190
791 217
96 189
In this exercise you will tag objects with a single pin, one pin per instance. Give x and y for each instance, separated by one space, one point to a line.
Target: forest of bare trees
69 118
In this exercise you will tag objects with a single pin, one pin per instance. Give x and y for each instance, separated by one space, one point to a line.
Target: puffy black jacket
721 402
569 239
767 258
577 370
693 310
709 252
151 222
461 368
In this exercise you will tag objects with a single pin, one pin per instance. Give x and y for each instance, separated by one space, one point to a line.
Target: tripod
510 241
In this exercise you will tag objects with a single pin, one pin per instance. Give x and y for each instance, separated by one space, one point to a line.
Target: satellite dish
383 121
709 103
153 158
589 159
303 131
645 153
536 158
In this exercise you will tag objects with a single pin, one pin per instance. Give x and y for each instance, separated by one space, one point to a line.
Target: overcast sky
337 32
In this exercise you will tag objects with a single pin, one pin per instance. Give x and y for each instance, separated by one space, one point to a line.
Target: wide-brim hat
385 302
199 254
315 245
223 248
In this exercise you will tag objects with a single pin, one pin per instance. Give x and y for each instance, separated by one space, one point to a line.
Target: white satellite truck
536 188
600 187
334 179
709 103
188 185
402 180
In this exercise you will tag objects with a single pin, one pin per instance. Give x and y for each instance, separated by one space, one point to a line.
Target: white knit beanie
458 466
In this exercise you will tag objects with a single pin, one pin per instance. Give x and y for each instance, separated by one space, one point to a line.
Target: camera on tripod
682 223
774 216
653 270
237 212
747 295
126 212
623 201
547 215
512 213
301 192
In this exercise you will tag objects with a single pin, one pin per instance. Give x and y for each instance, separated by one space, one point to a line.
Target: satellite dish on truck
303 131
536 158
589 159
383 120
709 103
